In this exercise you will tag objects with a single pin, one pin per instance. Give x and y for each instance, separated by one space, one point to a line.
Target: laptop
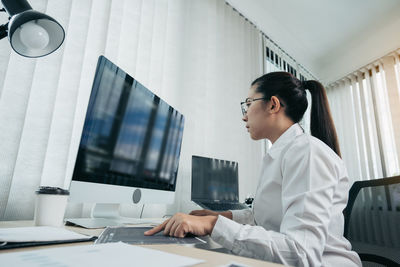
215 184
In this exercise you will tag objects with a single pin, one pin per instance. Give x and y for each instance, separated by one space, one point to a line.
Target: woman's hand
181 224
227 214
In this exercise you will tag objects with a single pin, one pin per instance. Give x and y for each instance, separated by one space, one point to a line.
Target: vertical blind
199 56
366 110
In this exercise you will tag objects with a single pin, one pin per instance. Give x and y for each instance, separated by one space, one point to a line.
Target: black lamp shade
34 34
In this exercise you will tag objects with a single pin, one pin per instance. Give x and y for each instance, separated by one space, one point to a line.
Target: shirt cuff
225 231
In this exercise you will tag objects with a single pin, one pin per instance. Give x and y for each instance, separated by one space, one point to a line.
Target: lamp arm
3 30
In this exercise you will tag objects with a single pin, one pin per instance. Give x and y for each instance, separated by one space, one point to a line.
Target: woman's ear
275 104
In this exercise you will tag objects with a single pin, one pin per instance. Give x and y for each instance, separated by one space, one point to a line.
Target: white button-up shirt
297 214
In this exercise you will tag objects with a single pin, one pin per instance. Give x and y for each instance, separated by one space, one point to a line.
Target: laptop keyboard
226 206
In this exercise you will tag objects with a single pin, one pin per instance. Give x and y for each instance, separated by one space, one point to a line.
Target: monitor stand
104 215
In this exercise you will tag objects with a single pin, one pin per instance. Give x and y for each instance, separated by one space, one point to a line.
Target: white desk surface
211 258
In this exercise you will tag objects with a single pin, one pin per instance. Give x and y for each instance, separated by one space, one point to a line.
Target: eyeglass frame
245 108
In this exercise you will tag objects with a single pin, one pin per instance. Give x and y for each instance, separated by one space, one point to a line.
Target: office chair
372 221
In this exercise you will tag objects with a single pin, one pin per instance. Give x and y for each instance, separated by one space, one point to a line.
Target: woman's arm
198 222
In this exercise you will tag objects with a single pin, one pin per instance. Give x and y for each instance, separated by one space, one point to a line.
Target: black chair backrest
372 220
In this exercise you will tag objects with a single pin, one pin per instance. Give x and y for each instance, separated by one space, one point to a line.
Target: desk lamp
31 33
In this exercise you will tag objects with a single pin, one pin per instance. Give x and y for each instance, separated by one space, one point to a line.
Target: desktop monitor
130 144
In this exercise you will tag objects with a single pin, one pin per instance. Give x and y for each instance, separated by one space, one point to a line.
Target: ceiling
330 38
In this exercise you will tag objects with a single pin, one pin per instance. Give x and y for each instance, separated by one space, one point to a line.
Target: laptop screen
214 180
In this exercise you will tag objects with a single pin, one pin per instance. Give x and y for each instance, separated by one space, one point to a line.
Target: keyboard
225 206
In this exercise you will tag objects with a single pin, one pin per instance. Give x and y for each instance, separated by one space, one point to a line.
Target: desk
211 258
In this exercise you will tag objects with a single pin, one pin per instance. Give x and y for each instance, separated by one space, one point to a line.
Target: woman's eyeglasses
246 104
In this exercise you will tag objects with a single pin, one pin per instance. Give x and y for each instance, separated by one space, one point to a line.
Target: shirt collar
288 136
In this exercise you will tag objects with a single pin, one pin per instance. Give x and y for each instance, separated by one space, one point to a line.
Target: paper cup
51 203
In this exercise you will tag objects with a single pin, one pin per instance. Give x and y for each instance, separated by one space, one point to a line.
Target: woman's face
256 118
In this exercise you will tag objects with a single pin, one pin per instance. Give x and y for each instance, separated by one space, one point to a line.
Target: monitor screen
130 137
214 179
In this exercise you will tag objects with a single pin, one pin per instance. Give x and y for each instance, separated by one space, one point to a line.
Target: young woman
297 210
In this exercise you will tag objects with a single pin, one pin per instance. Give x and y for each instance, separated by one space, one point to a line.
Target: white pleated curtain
366 110
199 56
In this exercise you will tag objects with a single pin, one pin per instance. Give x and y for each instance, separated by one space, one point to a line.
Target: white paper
38 233
109 254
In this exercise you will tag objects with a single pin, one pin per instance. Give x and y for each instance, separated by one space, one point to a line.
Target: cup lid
52 190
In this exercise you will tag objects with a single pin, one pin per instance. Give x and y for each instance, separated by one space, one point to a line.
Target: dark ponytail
292 93
322 125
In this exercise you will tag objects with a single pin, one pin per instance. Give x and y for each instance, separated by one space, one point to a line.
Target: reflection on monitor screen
131 139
